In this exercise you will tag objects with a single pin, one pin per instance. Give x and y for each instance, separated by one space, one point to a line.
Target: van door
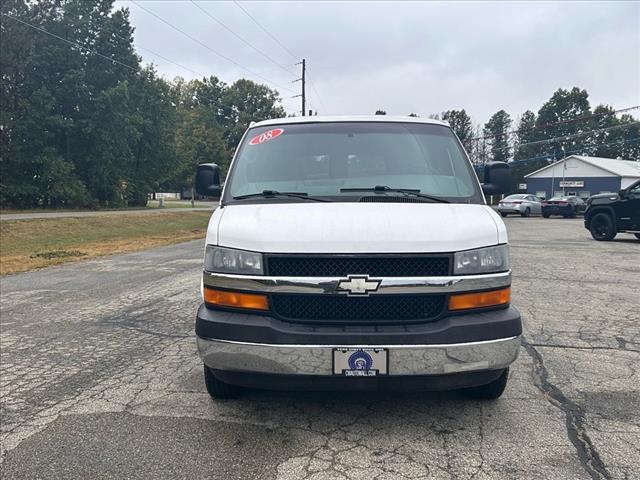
628 209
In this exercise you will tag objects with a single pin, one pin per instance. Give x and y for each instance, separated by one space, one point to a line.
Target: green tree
199 140
461 124
480 152
52 92
497 129
527 156
629 147
525 135
561 121
249 102
612 136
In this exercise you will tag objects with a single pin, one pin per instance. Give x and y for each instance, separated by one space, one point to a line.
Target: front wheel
545 215
504 214
637 235
527 212
218 389
601 227
490 391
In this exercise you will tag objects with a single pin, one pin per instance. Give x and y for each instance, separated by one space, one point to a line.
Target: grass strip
37 243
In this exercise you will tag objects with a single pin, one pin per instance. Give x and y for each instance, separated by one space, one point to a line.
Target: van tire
218 389
490 391
504 214
545 215
601 227
527 212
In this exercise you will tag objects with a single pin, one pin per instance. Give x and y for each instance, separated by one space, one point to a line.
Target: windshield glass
320 159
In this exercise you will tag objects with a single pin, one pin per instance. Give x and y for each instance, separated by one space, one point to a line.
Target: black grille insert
374 266
375 309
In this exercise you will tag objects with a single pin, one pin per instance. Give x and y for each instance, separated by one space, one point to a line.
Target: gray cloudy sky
421 57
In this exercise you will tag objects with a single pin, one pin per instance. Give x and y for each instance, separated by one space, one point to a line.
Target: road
100 379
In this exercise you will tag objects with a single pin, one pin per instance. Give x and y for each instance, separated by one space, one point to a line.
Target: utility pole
303 80
564 169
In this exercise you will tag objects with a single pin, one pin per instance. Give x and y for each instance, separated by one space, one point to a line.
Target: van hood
355 227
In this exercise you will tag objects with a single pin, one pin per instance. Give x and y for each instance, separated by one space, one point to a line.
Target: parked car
355 253
568 207
610 213
521 204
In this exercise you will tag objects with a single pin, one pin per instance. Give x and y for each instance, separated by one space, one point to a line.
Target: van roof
349 118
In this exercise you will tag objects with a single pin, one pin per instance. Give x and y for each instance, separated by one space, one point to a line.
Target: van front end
312 325
355 253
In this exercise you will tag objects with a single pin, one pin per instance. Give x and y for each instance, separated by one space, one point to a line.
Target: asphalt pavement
100 378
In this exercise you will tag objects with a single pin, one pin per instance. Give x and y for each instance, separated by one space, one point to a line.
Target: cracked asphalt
99 378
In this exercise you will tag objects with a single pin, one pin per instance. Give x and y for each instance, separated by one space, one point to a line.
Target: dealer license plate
360 362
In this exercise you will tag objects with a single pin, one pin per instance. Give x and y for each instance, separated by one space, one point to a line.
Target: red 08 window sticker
266 136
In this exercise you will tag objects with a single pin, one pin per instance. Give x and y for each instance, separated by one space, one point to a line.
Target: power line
293 55
169 60
275 39
218 103
582 149
223 25
567 137
271 69
587 147
208 47
313 86
135 69
560 122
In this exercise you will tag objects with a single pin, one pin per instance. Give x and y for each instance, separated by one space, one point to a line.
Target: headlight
229 260
482 260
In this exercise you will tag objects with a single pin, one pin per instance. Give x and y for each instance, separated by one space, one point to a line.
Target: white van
355 253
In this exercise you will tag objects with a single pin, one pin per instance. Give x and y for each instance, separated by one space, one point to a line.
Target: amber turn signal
492 298
222 298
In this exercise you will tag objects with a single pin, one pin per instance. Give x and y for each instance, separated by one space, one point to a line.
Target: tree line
564 125
84 124
81 130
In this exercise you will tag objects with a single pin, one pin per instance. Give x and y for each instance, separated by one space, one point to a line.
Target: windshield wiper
274 193
407 191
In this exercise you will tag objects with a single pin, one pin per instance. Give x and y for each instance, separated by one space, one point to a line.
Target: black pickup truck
610 213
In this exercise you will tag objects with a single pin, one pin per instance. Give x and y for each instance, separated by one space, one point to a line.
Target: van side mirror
208 180
497 178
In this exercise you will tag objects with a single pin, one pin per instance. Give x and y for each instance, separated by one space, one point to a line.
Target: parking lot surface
100 378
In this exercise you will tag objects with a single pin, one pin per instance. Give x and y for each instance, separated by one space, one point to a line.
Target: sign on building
522 186
571 183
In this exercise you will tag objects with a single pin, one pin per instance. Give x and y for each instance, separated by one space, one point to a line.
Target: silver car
520 203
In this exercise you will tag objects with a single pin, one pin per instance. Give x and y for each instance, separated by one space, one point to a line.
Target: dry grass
31 244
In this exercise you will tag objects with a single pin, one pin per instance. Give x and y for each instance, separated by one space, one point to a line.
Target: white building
582 176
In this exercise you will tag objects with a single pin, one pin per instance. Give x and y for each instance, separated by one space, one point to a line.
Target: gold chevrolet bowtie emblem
358 285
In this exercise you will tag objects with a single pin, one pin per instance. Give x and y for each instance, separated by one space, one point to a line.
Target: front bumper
510 209
246 343
282 359
557 210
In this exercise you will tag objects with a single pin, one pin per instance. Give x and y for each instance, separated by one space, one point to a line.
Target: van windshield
322 160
